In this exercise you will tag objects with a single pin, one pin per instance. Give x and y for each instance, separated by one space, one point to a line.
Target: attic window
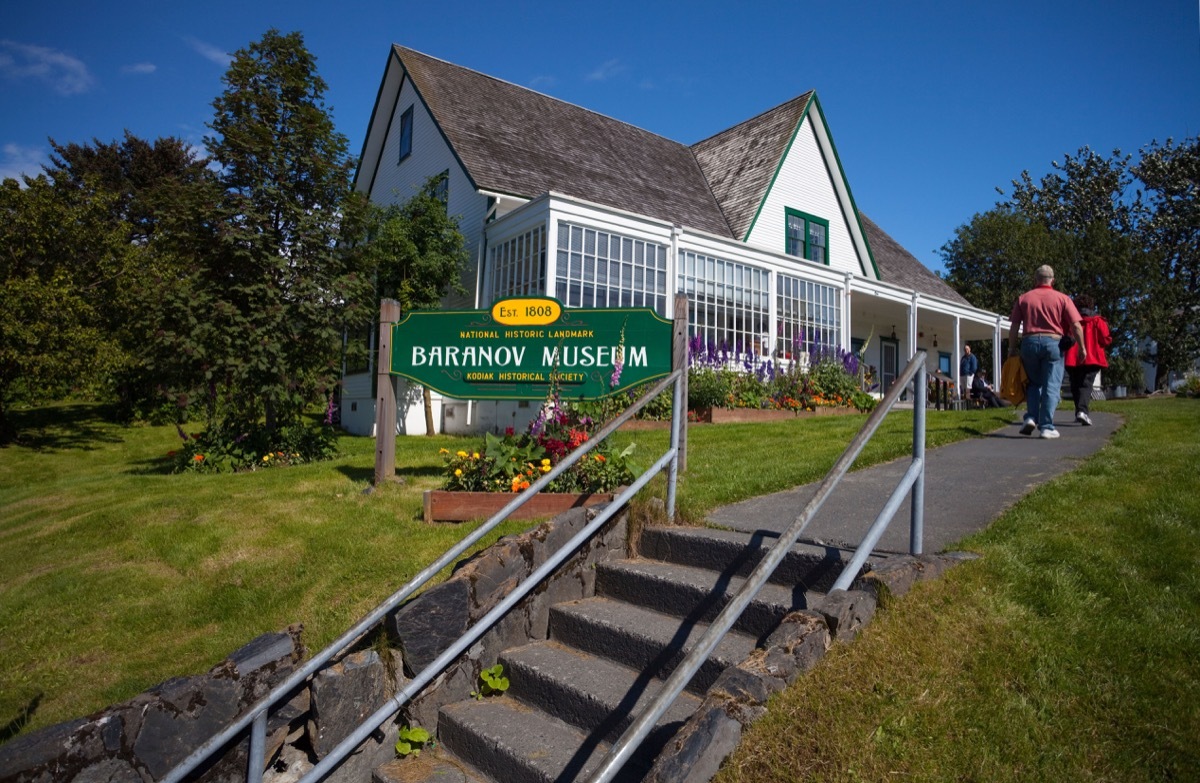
406 122
807 236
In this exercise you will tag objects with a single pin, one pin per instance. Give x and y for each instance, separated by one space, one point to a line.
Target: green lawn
117 575
1066 652
1069 652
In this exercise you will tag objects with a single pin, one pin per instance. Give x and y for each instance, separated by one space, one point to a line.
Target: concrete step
696 594
649 641
593 694
510 742
814 567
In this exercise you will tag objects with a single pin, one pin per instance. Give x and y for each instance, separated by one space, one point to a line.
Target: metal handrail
624 748
256 715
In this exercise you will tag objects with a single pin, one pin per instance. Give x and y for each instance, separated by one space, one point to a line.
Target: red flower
198 458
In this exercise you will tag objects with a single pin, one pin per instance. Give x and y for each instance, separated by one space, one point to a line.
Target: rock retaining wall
140 740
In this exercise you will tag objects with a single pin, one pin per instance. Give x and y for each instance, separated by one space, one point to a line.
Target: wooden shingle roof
900 267
519 142
739 163
516 141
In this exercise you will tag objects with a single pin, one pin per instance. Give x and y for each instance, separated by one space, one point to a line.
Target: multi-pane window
807 236
601 269
406 129
441 188
519 265
809 317
728 303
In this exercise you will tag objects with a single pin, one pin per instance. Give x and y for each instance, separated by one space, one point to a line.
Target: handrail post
679 361
258 747
917 522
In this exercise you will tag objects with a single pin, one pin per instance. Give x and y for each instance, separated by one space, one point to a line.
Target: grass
117 575
1067 652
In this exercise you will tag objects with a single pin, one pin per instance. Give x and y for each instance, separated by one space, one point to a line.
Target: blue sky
932 105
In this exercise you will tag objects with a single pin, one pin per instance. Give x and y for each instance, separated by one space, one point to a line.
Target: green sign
516 350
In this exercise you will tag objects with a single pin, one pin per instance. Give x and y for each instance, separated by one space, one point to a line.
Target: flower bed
446 506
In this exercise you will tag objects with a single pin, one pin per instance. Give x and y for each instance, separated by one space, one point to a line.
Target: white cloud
139 68
64 74
606 71
209 52
16 161
542 82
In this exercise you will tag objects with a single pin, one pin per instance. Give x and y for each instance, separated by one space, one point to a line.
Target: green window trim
806 236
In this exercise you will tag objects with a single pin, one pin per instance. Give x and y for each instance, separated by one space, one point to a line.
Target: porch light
893 332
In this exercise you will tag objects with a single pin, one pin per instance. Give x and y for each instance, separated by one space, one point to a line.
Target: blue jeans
1043 362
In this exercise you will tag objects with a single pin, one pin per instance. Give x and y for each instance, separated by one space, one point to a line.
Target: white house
757 224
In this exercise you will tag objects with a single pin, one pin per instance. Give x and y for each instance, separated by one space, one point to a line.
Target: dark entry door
891 364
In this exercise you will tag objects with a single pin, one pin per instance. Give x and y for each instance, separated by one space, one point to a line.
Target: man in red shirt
1044 316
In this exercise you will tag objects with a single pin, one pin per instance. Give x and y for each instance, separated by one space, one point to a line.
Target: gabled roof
900 267
740 163
515 141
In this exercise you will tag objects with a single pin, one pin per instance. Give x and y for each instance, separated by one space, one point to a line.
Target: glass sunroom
742 298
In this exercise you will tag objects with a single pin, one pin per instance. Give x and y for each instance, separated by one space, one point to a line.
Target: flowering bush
512 462
217 451
804 380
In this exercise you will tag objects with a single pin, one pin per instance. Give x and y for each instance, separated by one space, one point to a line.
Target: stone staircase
574 693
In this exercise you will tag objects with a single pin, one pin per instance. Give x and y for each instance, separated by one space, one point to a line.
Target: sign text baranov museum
521 346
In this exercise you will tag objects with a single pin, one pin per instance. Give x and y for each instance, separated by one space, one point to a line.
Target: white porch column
673 270
999 352
551 252
954 364
847 312
912 327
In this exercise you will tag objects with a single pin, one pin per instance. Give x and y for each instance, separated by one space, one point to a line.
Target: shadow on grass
63 427
14 726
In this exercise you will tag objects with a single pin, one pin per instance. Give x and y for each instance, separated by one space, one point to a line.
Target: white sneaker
1083 419
1049 434
1028 427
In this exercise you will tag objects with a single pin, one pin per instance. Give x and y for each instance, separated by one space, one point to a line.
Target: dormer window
406 122
807 236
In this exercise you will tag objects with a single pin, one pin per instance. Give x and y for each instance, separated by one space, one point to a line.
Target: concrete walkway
967 485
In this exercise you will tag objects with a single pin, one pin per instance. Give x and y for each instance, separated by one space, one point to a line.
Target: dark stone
695 754
804 636
343 696
418 770
186 714
426 626
109 771
270 648
746 683
112 730
38 749
846 612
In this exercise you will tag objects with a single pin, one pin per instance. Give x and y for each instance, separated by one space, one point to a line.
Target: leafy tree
991 259
55 249
418 254
148 188
1170 228
417 250
144 176
263 308
1086 203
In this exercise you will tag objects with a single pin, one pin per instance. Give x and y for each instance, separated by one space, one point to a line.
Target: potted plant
1124 374
481 481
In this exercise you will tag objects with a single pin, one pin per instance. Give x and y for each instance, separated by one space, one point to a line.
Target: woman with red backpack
1096 337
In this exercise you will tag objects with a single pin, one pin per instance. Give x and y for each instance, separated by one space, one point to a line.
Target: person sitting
982 390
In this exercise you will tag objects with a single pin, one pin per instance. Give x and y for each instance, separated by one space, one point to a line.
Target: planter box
751 415
445 506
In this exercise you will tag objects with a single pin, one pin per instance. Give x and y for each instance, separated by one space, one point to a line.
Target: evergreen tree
265 305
